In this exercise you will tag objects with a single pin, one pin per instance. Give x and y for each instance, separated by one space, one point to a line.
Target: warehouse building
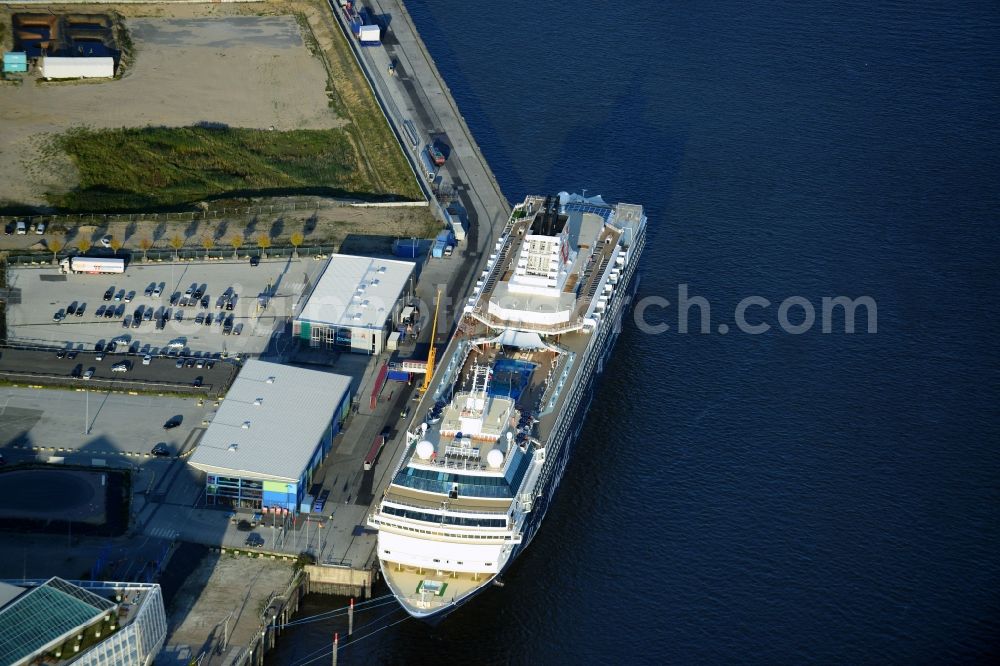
355 304
274 428
92 623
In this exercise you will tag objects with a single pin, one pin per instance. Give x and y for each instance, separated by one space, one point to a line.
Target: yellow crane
433 350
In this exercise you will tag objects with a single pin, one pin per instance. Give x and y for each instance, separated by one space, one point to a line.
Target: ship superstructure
481 465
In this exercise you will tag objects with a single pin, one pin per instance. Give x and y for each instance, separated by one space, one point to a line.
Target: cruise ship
509 396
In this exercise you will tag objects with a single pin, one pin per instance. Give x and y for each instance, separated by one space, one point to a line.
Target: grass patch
157 167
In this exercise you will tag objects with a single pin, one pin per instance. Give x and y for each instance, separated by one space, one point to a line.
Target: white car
88 374
147 359
157 291
120 367
40 229
106 241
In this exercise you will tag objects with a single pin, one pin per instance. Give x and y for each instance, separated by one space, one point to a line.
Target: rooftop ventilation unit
258 401
232 447
246 425
269 380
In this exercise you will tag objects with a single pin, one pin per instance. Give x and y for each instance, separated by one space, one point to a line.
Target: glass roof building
54 621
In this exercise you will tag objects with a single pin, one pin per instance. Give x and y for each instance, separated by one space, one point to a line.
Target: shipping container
77 68
455 224
398 376
370 35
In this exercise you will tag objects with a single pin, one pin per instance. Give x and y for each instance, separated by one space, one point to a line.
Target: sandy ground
189 68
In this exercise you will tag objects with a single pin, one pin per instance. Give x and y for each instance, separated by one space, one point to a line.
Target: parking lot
152 306
83 425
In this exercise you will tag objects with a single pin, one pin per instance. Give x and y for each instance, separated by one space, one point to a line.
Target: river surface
758 498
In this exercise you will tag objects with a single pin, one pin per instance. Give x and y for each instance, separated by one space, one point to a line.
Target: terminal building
356 304
274 428
90 623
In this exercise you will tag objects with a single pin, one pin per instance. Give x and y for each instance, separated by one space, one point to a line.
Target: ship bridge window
444 483
445 520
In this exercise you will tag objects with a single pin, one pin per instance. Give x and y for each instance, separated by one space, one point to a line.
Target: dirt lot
193 64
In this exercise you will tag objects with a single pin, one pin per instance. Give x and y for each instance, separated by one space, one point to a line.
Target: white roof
357 292
295 407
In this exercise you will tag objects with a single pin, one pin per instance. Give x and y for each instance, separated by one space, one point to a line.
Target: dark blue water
772 498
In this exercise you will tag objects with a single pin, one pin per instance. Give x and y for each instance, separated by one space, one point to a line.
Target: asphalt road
43 367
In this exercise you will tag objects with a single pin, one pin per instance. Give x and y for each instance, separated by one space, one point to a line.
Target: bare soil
191 64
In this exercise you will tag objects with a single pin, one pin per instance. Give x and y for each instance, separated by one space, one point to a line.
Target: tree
296 240
177 243
115 244
55 244
263 242
208 243
145 243
237 242
84 245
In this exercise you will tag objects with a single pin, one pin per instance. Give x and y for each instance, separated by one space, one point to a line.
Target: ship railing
495 514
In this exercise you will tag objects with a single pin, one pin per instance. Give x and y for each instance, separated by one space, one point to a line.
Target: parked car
254 540
40 229
106 241
179 363
61 353
80 308
99 312
208 319
99 356
237 329
120 367
172 423
71 354
244 526
204 301
197 382
109 312
109 294
9 228
157 291
58 316
149 289
147 359
71 309
160 450
88 374
129 296
179 315
136 321
120 295
148 315
254 261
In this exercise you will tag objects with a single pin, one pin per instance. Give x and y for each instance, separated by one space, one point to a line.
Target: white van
22 228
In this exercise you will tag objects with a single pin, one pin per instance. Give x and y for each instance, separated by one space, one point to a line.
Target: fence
220 213
44 258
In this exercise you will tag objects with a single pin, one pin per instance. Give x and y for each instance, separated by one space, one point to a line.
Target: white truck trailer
92 265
